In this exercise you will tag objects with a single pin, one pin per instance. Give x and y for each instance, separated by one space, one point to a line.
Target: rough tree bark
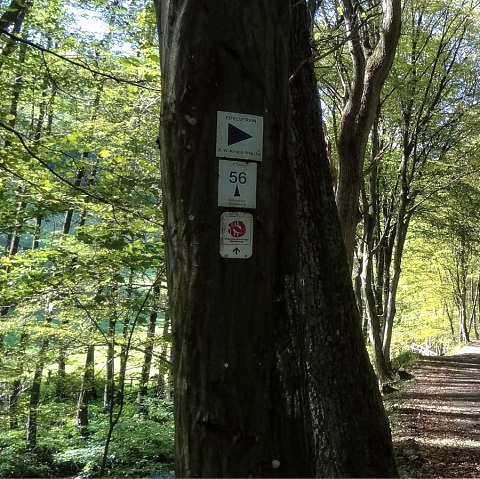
370 69
351 432
236 415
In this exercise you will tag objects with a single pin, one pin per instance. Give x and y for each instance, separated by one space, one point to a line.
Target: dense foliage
81 268
84 327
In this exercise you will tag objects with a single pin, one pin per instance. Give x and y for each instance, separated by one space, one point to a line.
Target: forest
109 230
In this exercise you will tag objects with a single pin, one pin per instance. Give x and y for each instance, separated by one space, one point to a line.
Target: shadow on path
437 431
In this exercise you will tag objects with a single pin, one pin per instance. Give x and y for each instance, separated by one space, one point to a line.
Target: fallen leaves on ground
436 422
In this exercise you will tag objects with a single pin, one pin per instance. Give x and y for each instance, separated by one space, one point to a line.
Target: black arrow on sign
237 191
235 135
236 251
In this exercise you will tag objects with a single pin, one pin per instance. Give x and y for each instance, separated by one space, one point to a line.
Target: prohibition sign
236 235
237 229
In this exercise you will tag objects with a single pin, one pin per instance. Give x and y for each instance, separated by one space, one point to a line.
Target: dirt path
437 421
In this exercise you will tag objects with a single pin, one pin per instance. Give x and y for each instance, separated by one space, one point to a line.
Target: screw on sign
237 228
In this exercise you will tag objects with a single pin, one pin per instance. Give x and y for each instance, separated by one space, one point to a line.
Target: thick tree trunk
352 433
231 411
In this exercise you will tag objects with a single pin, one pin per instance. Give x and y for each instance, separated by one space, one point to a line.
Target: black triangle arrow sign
237 191
235 135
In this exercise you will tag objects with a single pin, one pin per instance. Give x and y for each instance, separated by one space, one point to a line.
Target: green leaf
154 57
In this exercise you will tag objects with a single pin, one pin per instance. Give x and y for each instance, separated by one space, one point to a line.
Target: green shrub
405 360
18 461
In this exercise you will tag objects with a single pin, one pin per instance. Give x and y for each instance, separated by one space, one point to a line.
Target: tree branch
85 192
82 65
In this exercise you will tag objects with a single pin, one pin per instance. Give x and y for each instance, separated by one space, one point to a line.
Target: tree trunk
12 21
148 354
476 307
228 317
87 392
110 366
16 386
371 254
370 306
395 247
370 69
163 386
35 390
352 435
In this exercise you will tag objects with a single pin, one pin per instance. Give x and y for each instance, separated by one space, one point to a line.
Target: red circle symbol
237 229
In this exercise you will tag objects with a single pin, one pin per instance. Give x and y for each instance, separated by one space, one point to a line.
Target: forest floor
436 421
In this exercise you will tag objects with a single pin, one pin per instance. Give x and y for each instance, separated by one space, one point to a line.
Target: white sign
239 136
237 184
236 235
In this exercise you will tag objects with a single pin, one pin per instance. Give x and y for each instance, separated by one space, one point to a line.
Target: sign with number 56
237 184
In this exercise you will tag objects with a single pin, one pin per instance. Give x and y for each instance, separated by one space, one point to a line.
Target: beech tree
267 350
351 433
228 315
58 114
372 50
434 61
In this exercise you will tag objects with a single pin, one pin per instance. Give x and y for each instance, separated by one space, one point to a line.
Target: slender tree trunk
32 420
110 366
35 389
148 354
472 303
16 387
450 321
460 280
163 386
36 234
370 69
395 254
61 374
391 303
370 305
371 253
87 392
476 308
